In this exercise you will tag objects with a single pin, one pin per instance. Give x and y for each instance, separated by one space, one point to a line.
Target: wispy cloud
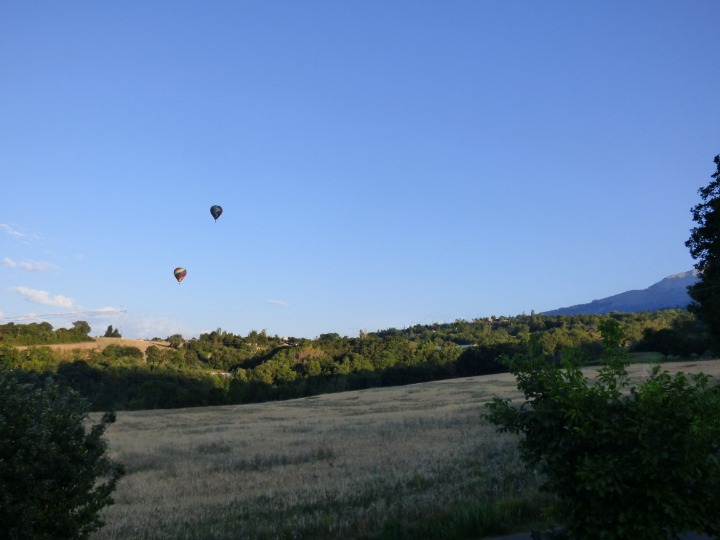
100 314
108 310
30 266
44 297
25 318
25 238
11 231
130 325
147 327
276 303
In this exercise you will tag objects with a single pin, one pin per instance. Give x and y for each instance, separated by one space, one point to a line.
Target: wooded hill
222 368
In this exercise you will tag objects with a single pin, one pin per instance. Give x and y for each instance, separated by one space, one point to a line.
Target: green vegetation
409 462
223 368
55 477
43 334
704 244
112 332
455 494
637 465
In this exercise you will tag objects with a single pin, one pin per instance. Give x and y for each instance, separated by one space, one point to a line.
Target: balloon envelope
216 210
180 274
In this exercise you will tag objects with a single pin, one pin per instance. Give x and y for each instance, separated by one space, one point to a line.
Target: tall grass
406 462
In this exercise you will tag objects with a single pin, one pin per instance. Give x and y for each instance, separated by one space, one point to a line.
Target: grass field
99 343
348 465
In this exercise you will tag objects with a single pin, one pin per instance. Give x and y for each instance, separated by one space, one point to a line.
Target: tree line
43 334
220 367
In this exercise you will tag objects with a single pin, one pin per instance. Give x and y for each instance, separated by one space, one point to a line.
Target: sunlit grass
416 461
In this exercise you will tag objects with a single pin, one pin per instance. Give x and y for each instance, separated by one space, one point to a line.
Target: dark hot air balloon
180 274
216 211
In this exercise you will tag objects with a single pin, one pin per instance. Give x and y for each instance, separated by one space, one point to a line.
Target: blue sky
380 164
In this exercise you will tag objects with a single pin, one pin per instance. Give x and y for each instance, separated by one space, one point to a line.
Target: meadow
403 462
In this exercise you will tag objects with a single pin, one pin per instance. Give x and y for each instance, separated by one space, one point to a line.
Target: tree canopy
624 465
704 244
220 367
55 475
112 332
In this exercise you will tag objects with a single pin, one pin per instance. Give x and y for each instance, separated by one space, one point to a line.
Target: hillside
99 343
670 292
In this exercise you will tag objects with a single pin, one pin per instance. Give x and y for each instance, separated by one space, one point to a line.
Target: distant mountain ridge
670 292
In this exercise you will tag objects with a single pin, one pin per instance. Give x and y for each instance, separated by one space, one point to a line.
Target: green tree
112 332
55 476
313 368
81 328
704 245
642 464
176 341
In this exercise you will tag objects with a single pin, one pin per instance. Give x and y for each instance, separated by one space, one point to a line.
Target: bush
55 476
638 464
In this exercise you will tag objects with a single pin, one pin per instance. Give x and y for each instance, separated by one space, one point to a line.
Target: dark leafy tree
704 245
55 475
176 341
81 328
638 465
484 360
112 332
678 340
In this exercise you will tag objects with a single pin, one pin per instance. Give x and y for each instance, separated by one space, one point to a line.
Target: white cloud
97 315
276 303
36 266
133 326
12 232
25 238
24 319
30 266
108 311
43 297
147 327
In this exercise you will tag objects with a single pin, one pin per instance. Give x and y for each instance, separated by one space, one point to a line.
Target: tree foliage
55 476
624 463
704 245
112 332
223 368
43 333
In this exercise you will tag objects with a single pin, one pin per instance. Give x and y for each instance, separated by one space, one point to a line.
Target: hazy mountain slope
669 293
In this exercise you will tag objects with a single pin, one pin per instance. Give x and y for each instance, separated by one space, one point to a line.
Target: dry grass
331 466
99 343
334 466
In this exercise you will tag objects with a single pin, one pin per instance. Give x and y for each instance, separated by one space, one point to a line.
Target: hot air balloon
180 274
216 211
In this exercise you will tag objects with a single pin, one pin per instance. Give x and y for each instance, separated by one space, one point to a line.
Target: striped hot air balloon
180 273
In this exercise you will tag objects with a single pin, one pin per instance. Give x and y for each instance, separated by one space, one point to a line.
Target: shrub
637 464
55 476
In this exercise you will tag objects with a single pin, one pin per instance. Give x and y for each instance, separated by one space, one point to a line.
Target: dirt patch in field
100 343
